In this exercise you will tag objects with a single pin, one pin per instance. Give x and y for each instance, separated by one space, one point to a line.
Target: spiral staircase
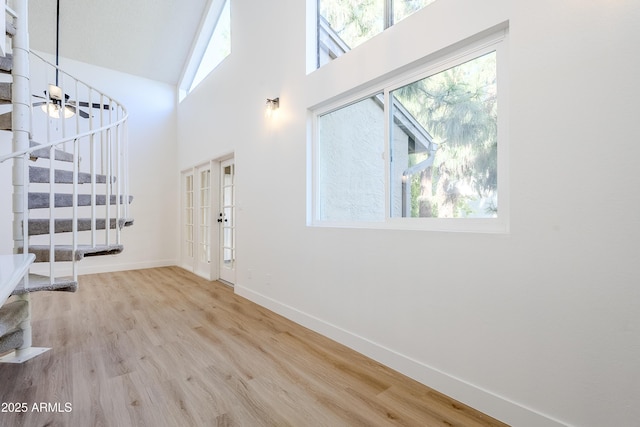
69 179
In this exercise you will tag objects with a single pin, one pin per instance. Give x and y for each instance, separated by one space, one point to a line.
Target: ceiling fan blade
94 105
83 114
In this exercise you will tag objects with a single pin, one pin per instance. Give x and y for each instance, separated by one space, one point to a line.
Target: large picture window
426 149
345 24
453 173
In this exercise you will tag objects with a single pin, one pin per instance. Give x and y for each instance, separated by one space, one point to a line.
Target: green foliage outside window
458 107
356 21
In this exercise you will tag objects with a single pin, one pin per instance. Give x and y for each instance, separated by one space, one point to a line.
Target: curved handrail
33 53
63 140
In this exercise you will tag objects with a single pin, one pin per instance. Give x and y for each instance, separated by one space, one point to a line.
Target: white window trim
496 42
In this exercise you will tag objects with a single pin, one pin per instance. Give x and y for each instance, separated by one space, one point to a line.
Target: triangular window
212 46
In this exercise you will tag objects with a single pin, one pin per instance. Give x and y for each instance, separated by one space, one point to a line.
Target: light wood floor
162 347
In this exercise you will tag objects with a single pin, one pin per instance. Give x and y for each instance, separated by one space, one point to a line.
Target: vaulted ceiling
148 38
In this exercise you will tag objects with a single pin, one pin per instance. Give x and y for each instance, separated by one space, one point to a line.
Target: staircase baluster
74 217
109 192
25 209
92 154
52 195
118 186
102 145
77 116
125 131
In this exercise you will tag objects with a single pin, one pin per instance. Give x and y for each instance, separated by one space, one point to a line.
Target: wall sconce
272 106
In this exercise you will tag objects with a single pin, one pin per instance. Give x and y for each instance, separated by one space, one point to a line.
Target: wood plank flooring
162 347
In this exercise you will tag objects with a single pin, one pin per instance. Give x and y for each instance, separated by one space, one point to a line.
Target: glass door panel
227 221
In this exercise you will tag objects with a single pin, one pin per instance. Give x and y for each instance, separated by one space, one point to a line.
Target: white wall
536 327
152 137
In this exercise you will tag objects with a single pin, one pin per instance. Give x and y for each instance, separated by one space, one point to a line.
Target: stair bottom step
11 315
38 283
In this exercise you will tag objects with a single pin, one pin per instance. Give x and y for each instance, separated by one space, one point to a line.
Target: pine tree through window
345 24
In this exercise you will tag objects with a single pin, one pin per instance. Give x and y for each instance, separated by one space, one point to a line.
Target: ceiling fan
56 103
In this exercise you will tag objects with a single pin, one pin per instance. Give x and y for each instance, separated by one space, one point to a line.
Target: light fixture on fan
54 108
272 106
57 104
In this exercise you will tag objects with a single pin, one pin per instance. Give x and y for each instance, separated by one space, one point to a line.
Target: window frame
496 42
205 33
387 16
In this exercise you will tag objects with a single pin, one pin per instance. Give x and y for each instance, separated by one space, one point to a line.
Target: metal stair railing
96 139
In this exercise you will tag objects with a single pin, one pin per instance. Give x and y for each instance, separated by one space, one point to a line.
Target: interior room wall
537 326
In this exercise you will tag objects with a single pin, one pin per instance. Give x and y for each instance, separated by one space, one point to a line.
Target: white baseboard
485 401
95 269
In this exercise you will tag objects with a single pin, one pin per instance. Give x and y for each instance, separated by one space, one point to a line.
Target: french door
188 234
196 220
203 252
226 222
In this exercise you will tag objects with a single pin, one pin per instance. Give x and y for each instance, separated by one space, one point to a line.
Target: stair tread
11 315
5 92
39 226
65 252
6 121
41 200
41 175
9 28
6 63
43 153
11 341
39 283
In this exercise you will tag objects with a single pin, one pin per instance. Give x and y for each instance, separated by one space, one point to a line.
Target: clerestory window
424 150
211 47
345 24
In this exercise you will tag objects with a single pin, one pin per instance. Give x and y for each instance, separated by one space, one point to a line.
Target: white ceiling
148 38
